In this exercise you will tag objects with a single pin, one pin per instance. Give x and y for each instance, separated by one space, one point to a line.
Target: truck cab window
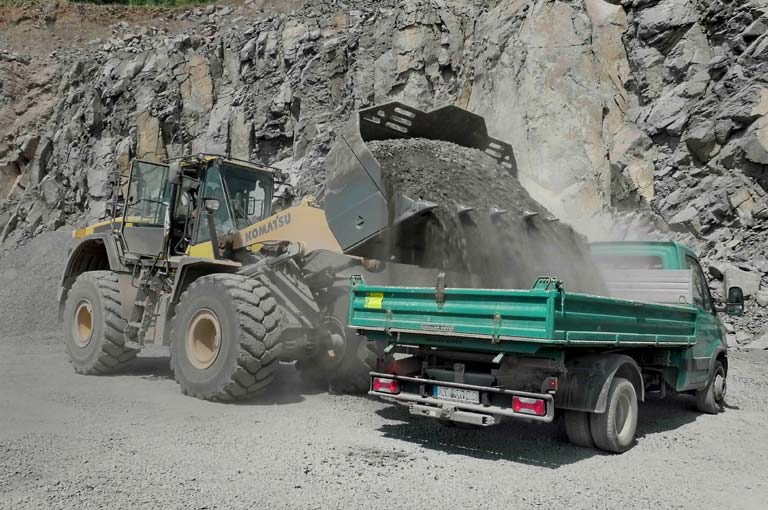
701 295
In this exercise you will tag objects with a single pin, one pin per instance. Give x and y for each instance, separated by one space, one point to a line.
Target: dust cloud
486 229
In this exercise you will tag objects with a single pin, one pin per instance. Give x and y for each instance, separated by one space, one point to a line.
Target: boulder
686 220
760 344
762 298
700 140
756 29
630 142
659 21
746 105
755 142
149 144
747 280
668 110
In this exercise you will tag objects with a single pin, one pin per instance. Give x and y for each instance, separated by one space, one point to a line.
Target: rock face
629 118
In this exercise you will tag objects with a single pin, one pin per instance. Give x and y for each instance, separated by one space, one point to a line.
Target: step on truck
479 356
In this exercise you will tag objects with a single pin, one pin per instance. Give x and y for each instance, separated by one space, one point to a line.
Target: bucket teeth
463 210
496 213
527 215
407 208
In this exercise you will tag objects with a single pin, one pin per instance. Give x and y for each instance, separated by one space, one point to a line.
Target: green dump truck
478 356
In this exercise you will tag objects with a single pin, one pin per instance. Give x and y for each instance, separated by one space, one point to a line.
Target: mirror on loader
734 304
211 205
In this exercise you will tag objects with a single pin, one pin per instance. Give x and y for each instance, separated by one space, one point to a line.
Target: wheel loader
197 254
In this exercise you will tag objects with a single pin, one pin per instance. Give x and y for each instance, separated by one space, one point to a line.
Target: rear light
383 385
524 405
550 384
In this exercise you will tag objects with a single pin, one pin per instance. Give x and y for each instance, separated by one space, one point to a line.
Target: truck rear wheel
225 338
711 400
93 325
577 428
614 430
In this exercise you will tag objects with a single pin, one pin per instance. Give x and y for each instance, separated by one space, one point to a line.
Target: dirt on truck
202 253
480 356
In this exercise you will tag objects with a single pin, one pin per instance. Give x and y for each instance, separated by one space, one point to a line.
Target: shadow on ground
286 388
531 443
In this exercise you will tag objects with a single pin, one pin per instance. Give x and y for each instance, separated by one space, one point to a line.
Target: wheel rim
82 325
203 339
337 346
719 388
621 418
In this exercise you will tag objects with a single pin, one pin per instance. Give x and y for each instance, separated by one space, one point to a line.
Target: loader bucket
359 206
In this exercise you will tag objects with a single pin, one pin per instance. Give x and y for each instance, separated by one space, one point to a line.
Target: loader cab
164 215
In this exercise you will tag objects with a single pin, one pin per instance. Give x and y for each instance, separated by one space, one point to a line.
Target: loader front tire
225 338
93 325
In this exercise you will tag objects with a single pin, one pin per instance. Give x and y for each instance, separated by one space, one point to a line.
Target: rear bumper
424 404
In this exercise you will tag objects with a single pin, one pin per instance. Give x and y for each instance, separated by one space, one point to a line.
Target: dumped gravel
29 282
505 238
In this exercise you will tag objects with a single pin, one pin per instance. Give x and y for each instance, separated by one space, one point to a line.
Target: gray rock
665 16
756 29
746 105
686 220
760 344
700 140
755 142
747 280
28 146
762 298
669 109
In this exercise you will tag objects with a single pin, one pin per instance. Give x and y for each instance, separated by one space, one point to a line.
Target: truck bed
503 320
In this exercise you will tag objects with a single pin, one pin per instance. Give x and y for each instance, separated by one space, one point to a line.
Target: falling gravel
485 223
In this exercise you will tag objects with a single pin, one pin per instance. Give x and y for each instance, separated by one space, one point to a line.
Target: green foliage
161 3
164 3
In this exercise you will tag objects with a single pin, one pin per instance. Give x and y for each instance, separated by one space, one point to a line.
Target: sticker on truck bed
374 300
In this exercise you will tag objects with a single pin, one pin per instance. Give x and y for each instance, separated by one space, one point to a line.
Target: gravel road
133 441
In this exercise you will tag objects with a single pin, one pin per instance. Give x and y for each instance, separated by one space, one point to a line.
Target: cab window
251 193
148 194
213 188
701 295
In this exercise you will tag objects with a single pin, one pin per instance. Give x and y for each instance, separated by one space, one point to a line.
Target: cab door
146 223
708 334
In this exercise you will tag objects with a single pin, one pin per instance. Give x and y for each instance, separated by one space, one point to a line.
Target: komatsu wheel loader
193 256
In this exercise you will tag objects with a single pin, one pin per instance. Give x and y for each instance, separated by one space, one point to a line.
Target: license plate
457 394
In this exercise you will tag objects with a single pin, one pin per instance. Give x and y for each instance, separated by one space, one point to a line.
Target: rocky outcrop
629 118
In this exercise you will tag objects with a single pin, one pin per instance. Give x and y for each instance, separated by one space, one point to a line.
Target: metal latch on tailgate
440 290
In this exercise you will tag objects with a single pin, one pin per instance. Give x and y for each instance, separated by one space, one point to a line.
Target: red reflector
383 385
526 405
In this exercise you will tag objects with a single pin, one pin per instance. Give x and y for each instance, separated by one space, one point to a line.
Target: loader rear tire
614 430
577 429
93 325
225 338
